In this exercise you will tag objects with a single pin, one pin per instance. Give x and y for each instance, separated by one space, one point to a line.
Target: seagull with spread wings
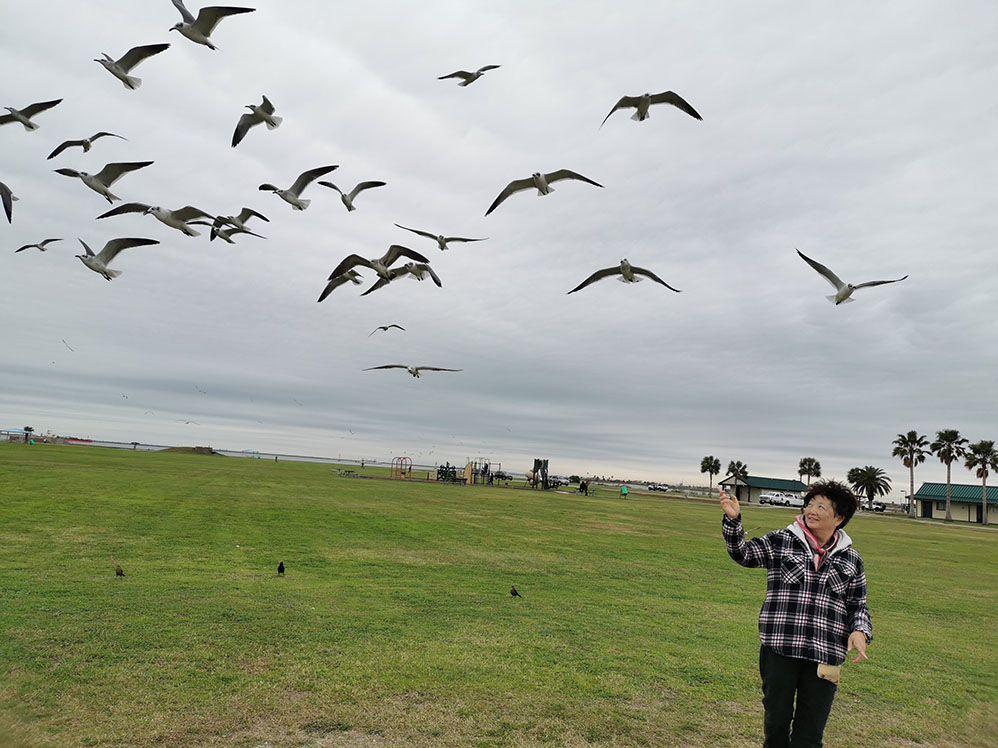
440 239
41 246
628 274
121 67
199 29
24 115
293 193
99 262
541 181
86 143
176 219
468 78
843 291
264 113
349 197
379 265
642 102
418 270
101 181
414 370
385 328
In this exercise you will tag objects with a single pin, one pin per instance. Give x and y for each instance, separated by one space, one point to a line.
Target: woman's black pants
783 678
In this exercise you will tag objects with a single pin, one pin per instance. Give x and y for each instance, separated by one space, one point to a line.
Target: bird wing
135 55
113 247
125 208
63 146
380 283
267 106
348 262
671 97
625 101
209 17
86 248
6 119
434 368
66 172
7 198
598 275
434 276
364 186
186 14
487 67
878 283
330 185
242 127
515 186
650 274
103 134
246 213
427 234
111 173
189 213
334 282
448 239
825 273
397 250
387 366
32 109
307 176
394 325
463 74
556 176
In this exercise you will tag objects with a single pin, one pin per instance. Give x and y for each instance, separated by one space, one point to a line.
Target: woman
814 613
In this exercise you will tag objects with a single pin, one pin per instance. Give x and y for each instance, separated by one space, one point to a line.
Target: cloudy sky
861 133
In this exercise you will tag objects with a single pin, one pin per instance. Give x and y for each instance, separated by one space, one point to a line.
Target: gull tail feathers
276 121
113 273
131 82
639 117
304 204
831 298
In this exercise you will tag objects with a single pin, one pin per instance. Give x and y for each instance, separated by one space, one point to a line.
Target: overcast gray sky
861 133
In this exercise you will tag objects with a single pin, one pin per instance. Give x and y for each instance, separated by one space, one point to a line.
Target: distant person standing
814 612
623 492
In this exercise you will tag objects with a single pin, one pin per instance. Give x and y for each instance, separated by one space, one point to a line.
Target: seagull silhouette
349 197
628 274
468 78
539 180
385 328
414 370
86 143
843 291
641 103
440 239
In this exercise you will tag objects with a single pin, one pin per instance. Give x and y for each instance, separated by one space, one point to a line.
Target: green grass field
394 625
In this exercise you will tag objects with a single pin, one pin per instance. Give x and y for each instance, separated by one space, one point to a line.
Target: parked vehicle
772 497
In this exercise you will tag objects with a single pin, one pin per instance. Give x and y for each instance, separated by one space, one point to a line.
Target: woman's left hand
857 639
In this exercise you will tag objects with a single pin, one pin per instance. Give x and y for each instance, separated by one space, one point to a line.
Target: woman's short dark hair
843 499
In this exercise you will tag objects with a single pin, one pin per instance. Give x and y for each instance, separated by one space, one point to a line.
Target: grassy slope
395 623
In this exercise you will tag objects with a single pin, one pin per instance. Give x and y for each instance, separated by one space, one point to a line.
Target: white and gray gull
99 262
541 181
292 195
24 115
843 291
121 67
101 181
199 29
628 274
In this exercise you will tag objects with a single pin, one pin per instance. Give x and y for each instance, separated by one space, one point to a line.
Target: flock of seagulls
414 265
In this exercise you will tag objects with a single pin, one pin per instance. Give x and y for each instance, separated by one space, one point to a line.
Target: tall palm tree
810 467
871 481
28 430
983 456
712 466
911 448
949 446
737 469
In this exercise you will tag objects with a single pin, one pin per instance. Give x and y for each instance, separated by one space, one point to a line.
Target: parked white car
781 498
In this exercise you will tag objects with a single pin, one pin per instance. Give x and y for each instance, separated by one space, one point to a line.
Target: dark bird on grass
843 291
440 239
118 571
628 274
414 370
24 115
541 181
335 281
641 103
468 78
86 143
348 197
199 29
385 328
122 66
7 198
41 246
255 115
280 568
514 593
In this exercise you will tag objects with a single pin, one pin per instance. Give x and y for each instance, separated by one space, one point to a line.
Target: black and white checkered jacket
807 613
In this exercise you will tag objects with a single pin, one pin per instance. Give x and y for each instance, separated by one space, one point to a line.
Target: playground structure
539 475
475 471
401 468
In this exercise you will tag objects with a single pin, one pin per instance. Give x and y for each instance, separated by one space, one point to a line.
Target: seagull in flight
414 370
440 239
101 181
7 198
41 246
385 328
468 78
200 28
335 281
121 67
628 274
843 291
642 102
240 220
539 180
86 143
67 344
175 219
292 194
24 115
255 115
349 197
99 262
378 265
418 270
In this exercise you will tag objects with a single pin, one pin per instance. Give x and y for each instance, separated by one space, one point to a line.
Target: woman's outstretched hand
729 504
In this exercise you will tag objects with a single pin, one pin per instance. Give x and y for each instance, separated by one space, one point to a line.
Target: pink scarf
820 553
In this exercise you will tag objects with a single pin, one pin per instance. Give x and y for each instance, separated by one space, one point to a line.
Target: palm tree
871 481
911 448
949 446
737 469
810 467
983 456
712 466
28 430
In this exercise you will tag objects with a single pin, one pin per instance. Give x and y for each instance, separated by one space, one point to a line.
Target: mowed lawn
394 625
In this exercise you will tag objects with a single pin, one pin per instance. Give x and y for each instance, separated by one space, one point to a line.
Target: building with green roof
965 502
753 486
